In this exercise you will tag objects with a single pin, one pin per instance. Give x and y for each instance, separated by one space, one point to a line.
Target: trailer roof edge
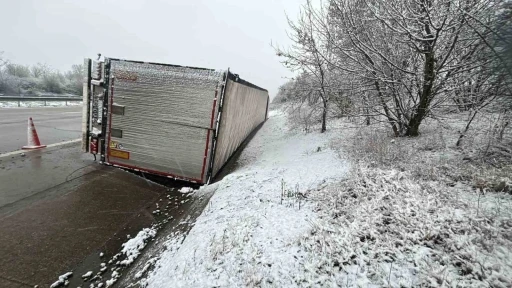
236 78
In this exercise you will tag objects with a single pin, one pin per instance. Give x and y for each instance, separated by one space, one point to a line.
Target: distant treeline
17 79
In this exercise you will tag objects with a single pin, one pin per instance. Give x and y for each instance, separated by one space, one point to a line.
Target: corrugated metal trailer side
161 118
244 107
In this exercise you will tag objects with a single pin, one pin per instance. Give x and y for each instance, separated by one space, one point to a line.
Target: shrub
52 83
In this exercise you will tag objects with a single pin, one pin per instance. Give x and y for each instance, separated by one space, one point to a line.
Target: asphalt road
53 124
59 209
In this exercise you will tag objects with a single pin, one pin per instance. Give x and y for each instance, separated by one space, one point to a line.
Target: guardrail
44 99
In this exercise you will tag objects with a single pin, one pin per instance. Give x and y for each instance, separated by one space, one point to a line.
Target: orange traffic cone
33 139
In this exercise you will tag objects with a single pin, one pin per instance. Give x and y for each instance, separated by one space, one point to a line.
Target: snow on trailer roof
145 71
155 63
233 76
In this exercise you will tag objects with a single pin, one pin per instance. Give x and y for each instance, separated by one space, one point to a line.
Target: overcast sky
205 33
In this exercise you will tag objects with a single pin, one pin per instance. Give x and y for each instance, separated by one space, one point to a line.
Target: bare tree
399 61
74 78
411 51
307 55
17 70
40 70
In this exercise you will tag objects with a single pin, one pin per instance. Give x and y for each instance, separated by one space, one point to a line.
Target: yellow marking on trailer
119 154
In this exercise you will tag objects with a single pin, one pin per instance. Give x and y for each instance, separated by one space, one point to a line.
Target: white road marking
79 112
13 153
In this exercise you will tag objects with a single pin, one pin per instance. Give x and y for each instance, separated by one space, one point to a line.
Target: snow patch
62 280
185 190
145 268
87 275
96 131
132 247
115 276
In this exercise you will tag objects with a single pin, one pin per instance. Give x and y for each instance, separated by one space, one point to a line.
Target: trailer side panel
161 118
244 108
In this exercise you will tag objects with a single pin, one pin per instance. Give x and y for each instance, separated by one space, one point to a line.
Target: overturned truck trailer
169 120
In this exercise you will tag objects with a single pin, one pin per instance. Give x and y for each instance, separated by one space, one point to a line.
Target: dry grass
381 226
412 212
433 156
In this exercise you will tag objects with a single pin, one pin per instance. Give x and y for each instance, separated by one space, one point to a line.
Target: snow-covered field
14 104
404 213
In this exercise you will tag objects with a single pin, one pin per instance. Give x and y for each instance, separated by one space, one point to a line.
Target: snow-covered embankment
249 231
